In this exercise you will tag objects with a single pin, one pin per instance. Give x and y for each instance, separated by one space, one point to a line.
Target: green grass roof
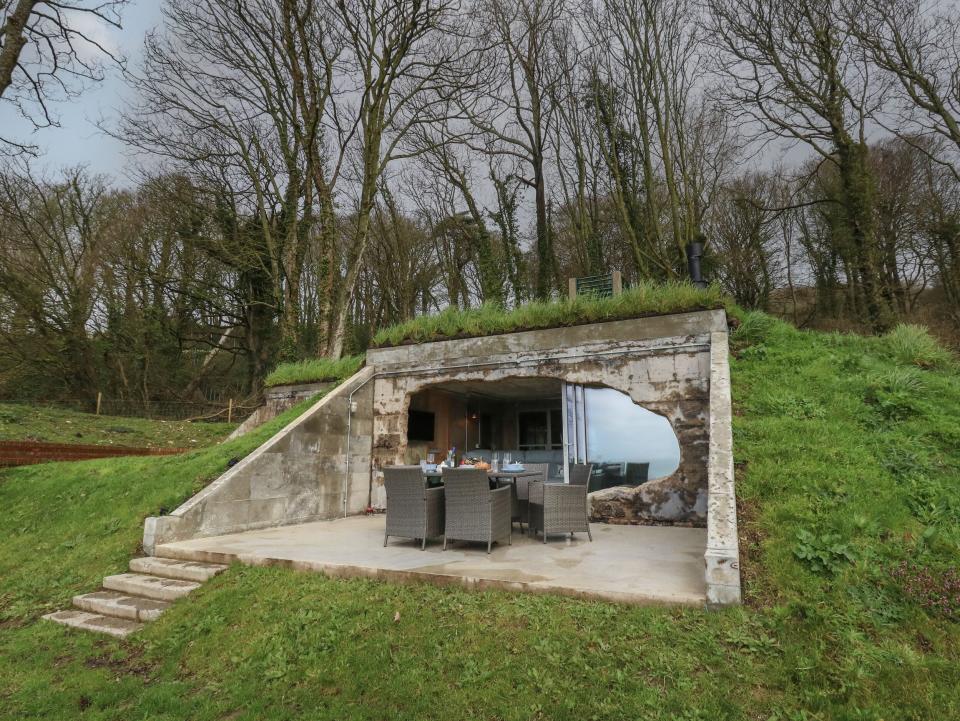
642 300
314 370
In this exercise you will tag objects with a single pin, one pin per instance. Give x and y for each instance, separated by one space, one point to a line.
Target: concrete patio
627 564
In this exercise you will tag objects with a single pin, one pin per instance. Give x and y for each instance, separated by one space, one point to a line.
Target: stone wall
662 363
316 468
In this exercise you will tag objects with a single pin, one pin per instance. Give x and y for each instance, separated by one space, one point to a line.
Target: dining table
435 478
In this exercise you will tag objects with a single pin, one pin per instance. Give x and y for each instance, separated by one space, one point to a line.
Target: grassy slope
21 422
836 463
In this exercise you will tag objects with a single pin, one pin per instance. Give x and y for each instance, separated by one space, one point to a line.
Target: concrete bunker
327 464
675 366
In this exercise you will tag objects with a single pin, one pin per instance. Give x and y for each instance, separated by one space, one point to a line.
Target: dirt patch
131 664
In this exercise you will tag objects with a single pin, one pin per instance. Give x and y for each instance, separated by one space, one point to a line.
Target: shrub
315 370
913 345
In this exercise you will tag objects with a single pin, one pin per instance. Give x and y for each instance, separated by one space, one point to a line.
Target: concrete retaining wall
301 474
723 546
275 401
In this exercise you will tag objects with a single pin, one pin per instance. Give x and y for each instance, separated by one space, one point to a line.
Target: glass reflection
627 444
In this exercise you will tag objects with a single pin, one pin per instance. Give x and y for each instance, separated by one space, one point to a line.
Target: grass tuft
315 370
489 319
913 345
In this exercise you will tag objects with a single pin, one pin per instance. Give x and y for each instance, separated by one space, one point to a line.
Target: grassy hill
20 422
848 461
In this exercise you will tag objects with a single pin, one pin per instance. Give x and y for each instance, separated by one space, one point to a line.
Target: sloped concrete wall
275 401
316 468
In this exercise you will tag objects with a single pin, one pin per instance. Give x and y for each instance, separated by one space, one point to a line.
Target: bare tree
51 244
47 50
665 147
794 70
745 240
398 54
917 44
508 101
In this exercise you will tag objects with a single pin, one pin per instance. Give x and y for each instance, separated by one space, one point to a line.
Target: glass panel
532 429
627 444
556 429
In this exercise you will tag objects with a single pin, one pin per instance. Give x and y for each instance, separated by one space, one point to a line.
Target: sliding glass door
626 443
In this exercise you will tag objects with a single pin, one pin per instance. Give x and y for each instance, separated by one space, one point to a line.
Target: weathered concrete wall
316 468
662 363
275 401
723 546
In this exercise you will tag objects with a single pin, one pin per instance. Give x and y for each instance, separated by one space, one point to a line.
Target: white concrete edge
180 551
360 376
723 548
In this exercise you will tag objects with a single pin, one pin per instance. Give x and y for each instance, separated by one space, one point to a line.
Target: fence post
230 411
572 287
616 280
99 401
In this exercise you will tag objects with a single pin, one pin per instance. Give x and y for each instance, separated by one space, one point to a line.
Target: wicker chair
560 507
413 510
473 511
519 497
580 474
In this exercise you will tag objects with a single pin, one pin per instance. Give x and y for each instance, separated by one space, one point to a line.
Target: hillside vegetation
19 422
847 454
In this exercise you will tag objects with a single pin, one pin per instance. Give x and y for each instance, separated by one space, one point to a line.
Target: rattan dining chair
580 474
561 507
413 510
473 511
519 499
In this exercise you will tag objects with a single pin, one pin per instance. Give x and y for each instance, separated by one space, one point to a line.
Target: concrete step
119 627
172 568
160 589
120 605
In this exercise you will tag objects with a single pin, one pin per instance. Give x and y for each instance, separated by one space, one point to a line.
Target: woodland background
304 172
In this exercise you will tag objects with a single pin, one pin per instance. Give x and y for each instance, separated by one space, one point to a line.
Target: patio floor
630 564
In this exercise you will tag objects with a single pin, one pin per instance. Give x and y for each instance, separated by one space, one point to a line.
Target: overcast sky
78 141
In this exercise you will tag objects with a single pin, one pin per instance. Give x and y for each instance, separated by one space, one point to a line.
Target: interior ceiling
508 389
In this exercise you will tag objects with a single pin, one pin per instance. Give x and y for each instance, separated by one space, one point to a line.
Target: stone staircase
128 600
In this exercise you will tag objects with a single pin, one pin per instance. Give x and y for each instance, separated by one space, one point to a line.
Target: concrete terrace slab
627 564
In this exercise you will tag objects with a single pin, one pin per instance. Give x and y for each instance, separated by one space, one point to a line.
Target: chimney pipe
694 254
